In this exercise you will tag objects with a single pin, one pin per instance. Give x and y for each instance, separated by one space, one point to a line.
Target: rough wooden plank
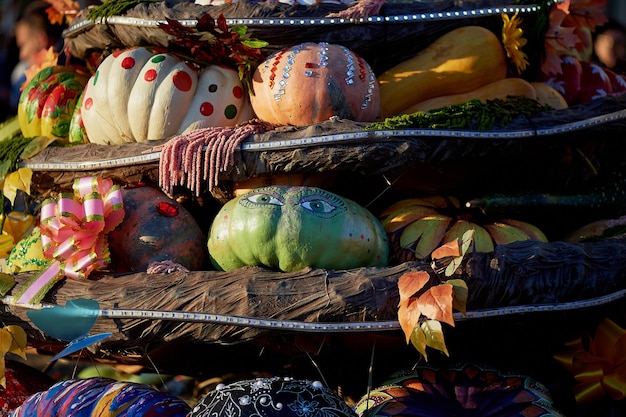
520 274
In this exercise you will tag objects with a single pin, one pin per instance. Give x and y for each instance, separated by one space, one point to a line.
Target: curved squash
546 94
462 60
498 89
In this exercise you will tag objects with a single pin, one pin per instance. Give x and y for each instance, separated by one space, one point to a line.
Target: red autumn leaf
436 303
213 42
408 317
450 249
410 283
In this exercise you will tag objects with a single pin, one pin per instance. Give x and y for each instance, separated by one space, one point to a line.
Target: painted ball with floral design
272 397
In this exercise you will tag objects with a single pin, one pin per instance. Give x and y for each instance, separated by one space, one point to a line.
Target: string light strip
87 24
341 139
321 327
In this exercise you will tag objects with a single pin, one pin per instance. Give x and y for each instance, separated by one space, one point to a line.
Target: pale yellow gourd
546 94
500 89
461 60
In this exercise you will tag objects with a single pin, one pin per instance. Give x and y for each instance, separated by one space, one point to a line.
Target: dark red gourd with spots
155 228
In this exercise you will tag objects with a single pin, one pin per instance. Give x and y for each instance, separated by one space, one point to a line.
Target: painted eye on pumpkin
265 199
318 206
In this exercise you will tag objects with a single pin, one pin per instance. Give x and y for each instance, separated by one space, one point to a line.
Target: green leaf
240 29
468 236
453 266
9 129
254 43
434 335
418 340
459 294
7 282
35 146
5 167
466 244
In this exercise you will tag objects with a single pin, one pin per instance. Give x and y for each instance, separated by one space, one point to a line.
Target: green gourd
289 228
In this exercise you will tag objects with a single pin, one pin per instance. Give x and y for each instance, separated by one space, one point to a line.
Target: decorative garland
113 8
474 115
201 155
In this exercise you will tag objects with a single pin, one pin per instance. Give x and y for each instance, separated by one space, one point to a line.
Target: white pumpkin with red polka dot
136 96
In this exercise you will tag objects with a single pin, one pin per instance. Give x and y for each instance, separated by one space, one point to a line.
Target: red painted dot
118 53
237 91
128 62
150 75
206 109
182 81
166 209
88 103
362 237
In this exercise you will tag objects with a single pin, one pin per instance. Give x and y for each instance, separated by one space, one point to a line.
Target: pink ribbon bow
74 234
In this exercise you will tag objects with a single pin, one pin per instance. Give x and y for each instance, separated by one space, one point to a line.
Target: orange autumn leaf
559 37
559 40
54 16
436 303
43 59
564 6
62 11
408 317
410 283
449 249
586 14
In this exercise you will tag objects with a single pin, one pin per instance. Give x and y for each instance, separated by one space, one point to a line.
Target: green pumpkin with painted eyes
289 228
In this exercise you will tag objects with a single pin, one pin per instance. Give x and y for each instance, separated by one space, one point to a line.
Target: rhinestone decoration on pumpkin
323 60
286 70
350 65
364 68
275 62
323 54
